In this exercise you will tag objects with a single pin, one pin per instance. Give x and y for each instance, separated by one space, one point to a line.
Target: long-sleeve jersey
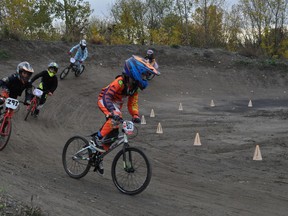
152 62
80 55
49 83
15 86
115 92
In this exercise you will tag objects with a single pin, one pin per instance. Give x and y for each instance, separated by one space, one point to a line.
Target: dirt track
217 178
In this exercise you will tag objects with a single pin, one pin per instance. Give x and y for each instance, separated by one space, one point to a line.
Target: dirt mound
217 178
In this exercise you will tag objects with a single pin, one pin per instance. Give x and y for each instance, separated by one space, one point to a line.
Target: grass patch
10 206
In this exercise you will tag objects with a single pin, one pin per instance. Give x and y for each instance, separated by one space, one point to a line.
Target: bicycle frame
73 65
35 101
121 139
6 120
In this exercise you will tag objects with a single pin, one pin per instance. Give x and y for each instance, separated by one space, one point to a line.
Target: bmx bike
11 105
34 102
131 170
73 66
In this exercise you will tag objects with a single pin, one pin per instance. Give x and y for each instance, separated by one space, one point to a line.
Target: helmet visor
145 76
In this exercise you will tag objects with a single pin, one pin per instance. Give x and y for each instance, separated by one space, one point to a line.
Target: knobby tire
137 175
5 138
64 73
29 110
76 166
77 74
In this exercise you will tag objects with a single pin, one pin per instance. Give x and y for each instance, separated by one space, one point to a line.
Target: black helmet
150 54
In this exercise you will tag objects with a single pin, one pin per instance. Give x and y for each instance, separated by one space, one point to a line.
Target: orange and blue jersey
111 100
113 95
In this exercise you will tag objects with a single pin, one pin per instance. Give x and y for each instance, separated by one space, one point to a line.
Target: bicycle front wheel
5 133
75 159
30 109
64 73
80 71
131 171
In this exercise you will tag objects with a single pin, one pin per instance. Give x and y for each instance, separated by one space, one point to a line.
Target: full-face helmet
83 44
138 70
25 71
150 54
52 69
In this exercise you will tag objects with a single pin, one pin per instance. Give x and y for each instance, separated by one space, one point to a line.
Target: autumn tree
208 21
129 19
266 24
26 19
75 14
184 9
232 29
158 10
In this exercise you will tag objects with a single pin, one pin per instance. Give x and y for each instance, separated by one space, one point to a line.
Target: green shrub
10 206
175 46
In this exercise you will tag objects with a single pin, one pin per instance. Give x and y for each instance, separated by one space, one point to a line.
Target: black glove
136 119
116 117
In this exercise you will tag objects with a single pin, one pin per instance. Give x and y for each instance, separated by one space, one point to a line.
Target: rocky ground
217 178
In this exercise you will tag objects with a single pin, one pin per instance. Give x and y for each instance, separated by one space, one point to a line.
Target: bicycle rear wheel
5 133
64 73
79 72
75 162
30 109
131 171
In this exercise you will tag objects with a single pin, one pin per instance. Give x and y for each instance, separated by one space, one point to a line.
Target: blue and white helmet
138 69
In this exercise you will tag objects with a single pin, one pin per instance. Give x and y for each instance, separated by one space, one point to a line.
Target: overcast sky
102 7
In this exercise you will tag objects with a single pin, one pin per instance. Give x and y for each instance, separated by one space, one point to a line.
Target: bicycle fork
127 156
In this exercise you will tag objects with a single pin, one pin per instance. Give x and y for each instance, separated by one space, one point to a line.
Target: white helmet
83 43
24 68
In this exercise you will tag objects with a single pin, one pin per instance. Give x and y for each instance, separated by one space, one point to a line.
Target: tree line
254 27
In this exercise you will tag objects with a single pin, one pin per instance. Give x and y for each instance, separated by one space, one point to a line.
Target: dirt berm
217 178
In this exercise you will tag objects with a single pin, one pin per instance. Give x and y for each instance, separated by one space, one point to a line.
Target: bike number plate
37 92
72 60
11 103
128 127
